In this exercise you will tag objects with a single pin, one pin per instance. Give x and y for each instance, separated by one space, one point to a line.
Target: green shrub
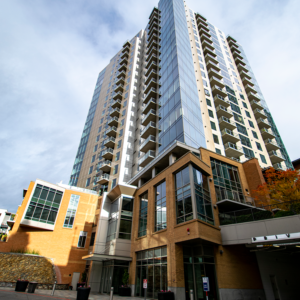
262 215
244 218
283 213
295 208
25 251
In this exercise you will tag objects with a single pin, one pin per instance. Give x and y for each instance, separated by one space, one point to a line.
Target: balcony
211 58
151 94
271 145
216 81
116 104
153 50
226 123
256 104
279 167
152 75
154 14
219 100
208 50
232 43
119 88
154 43
202 25
150 129
205 37
204 32
267 133
126 44
232 150
263 123
121 74
223 111
234 48
153 83
113 121
199 17
155 27
275 157
237 54
151 116
120 80
126 54
118 95
199 20
150 105
150 58
251 96
126 50
154 37
211 65
208 44
103 179
115 112
229 136
110 142
148 144
147 158
122 67
239 61
213 72
124 60
245 75
153 66
247 81
242 68
259 113
111 131
216 90
108 153
105 166
249 88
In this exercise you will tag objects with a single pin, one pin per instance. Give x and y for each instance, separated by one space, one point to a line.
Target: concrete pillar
172 158
140 182
153 172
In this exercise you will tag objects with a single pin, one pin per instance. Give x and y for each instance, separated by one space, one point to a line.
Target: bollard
53 290
191 294
111 296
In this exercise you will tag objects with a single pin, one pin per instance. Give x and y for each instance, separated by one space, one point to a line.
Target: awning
102 257
227 205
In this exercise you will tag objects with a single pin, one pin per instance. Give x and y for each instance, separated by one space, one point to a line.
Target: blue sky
52 51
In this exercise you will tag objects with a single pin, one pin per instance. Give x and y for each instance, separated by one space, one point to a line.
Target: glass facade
71 212
126 218
44 205
160 207
151 265
143 215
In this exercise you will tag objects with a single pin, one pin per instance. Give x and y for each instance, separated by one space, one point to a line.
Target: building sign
205 284
144 283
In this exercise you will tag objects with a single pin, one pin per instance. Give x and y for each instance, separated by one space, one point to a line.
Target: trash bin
21 285
32 287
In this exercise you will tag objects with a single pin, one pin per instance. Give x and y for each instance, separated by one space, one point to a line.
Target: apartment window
119 144
213 125
160 207
263 159
236 81
242 96
126 95
103 113
122 122
93 158
91 170
184 208
143 215
125 103
95 148
218 151
197 45
244 104
208 102
251 124
113 183
92 239
117 156
101 121
115 169
216 139
254 134
126 218
234 73
201 66
98 138
247 114
210 113
259 146
123 112
231 66
121 133
82 239
88 181
238 118
245 141
248 153
241 129
71 212
205 83
105 104
106 98
235 108
99 129
203 75
239 88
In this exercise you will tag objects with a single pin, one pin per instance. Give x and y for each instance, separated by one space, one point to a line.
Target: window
126 95
82 239
206 92
184 208
242 96
123 112
244 104
88 181
121 133
115 169
216 139
160 207
213 125
218 151
44 205
92 239
238 118
208 102
204 82
90 169
143 215
259 146
125 103
254 134
95 148
98 138
99 130
247 113
103 112
251 124
248 153
122 122
105 104
241 129
201 66
235 108
126 218
101 121
93 158
113 183
71 212
203 75
119 144
263 159
245 141
117 156
236 81
210 113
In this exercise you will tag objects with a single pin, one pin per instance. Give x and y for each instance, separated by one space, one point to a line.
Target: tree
125 277
280 186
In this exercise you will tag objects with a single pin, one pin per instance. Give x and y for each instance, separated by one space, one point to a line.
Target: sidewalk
10 294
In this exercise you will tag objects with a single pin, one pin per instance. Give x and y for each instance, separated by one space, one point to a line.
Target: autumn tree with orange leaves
280 186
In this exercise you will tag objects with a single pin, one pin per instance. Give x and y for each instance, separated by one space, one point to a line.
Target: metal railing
278 210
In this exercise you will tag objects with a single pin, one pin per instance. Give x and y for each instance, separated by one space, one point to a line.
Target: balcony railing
149 154
109 140
151 124
150 138
152 111
283 209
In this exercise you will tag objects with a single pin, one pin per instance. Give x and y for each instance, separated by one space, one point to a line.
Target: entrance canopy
103 257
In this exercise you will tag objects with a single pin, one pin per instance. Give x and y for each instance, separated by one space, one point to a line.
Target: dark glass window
160 207
143 214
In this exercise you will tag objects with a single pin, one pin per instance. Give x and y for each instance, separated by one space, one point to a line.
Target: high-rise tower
181 80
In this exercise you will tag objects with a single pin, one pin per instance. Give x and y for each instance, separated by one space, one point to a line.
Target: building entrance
198 263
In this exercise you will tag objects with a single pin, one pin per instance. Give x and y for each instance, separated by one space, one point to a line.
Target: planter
125 291
21 286
83 293
166 296
31 287
79 284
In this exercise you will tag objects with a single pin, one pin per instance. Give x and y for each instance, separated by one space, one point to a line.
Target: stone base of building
40 286
241 294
